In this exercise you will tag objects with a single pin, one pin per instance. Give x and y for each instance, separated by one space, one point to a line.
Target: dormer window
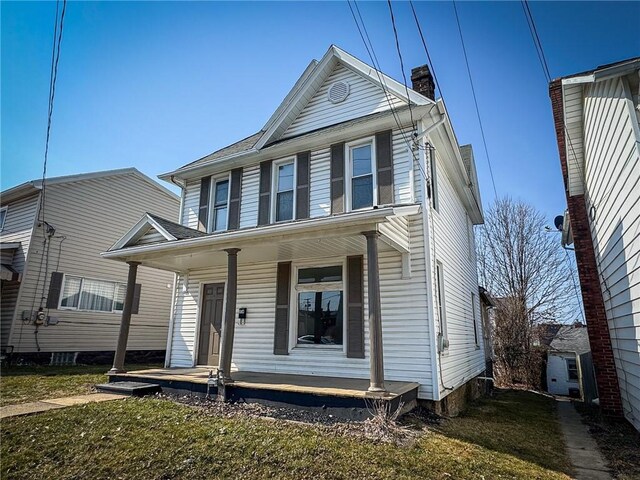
220 202
284 186
361 170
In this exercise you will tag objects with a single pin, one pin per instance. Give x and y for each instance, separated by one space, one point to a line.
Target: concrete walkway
588 462
55 403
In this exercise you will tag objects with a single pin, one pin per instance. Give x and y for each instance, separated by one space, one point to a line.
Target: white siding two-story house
335 242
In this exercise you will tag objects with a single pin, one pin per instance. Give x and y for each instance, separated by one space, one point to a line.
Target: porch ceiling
317 238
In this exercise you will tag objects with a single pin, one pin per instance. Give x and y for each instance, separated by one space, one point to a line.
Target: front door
211 324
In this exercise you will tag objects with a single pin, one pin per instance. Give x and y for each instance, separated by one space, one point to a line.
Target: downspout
426 211
167 358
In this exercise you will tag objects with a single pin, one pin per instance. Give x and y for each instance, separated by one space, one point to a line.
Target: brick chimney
422 81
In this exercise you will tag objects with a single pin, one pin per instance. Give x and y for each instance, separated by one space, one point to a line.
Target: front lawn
512 436
29 384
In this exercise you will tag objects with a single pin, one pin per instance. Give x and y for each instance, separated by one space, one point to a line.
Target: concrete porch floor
305 384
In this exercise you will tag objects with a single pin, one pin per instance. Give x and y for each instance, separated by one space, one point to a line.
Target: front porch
343 397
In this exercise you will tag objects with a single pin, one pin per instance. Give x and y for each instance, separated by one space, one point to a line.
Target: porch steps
129 388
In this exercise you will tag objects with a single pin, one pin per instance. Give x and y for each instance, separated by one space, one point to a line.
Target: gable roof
169 230
571 338
34 186
298 97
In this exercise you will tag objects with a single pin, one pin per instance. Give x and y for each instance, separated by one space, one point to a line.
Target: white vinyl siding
320 183
250 196
90 218
364 98
462 360
191 204
405 327
612 157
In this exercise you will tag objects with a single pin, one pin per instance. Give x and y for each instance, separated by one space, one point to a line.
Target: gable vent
338 92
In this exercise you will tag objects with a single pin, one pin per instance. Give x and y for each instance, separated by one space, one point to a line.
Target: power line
426 50
374 59
404 76
475 100
536 38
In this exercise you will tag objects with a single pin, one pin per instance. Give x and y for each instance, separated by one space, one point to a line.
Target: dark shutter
234 199
264 205
281 331
302 185
355 307
337 178
384 167
203 211
135 306
55 289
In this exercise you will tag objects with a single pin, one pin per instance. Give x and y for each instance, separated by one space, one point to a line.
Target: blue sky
157 85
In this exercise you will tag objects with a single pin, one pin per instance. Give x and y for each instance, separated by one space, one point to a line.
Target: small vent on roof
338 92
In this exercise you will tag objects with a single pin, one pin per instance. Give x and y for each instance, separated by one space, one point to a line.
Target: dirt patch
383 427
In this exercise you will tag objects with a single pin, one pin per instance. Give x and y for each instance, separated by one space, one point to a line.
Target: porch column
228 328
375 319
125 323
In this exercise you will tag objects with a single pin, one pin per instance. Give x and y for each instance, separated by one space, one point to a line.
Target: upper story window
220 203
3 217
284 186
361 172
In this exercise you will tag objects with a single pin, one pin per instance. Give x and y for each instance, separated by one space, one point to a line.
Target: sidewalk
588 462
55 403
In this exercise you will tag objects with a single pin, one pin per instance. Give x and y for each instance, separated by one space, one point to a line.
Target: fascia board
314 224
307 141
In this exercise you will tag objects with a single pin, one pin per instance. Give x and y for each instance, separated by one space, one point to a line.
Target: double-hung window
284 186
3 217
80 293
572 369
219 212
319 306
362 178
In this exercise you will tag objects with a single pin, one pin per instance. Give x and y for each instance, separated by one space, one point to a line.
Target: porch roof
315 237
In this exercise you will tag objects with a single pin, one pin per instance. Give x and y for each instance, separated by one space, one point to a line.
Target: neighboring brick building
597 125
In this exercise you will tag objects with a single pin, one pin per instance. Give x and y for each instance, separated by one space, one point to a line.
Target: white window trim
433 176
305 287
4 220
349 171
441 302
476 333
212 195
82 279
274 187
566 363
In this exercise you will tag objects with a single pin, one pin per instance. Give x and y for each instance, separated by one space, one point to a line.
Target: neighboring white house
597 124
569 365
51 264
351 170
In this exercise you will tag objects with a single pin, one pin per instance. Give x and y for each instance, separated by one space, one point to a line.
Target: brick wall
594 309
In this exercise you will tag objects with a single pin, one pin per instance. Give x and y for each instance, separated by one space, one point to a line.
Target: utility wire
475 100
404 76
536 39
